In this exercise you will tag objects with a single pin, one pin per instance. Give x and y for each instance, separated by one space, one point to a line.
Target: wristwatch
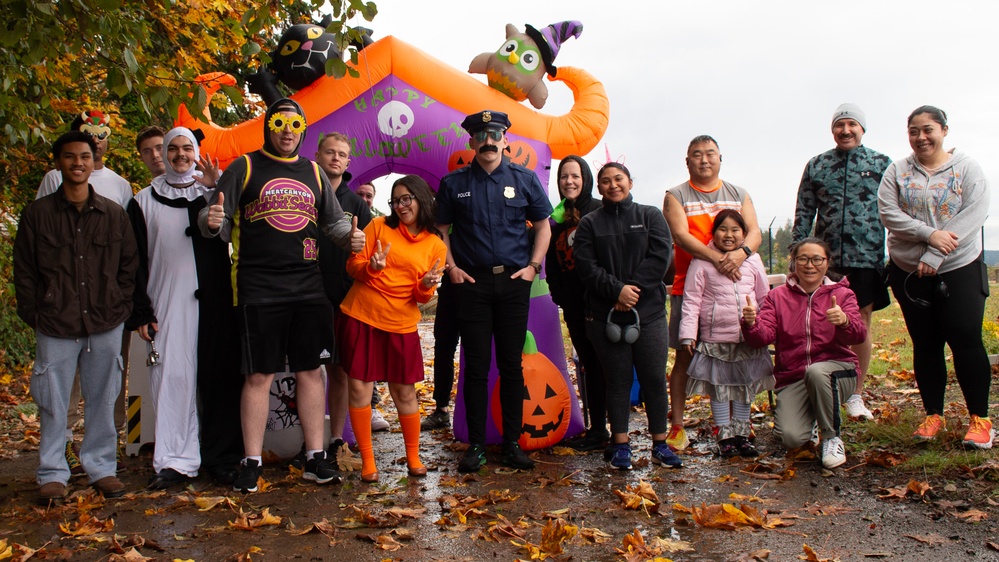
746 249
536 266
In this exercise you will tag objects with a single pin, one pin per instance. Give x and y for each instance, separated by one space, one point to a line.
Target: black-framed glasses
816 260
495 134
401 201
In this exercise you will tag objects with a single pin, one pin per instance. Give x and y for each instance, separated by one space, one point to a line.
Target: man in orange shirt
690 209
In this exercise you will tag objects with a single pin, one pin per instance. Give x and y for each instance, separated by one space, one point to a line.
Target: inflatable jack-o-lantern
523 154
460 159
547 406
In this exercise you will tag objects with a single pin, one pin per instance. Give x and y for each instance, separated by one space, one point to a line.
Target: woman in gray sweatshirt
934 204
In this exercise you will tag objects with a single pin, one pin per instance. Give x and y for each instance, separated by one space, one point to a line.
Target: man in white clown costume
183 301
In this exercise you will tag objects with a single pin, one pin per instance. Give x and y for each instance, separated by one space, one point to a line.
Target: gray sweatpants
815 398
56 361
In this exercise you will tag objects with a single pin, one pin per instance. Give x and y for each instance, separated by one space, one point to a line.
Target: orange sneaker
929 428
980 433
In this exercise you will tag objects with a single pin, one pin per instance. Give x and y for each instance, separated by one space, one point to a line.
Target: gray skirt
730 371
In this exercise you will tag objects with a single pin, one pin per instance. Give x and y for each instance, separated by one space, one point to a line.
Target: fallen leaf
896 492
86 525
918 487
972 515
209 503
250 521
554 533
884 459
931 538
384 542
811 556
131 555
594 535
412 513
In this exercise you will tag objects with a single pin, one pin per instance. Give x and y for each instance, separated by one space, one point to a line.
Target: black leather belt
494 270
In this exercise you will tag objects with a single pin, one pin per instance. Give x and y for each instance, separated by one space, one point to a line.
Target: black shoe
320 471
609 451
728 448
746 448
249 472
223 474
167 478
331 452
515 457
591 441
437 420
474 459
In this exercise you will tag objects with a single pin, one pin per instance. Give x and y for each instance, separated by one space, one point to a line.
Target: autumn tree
135 60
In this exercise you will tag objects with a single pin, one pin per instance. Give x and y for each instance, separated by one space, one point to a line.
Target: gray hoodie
913 204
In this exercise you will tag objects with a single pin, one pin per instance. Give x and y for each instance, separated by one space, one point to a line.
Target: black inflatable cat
299 59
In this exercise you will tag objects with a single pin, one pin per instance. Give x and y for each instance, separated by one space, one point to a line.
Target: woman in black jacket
575 185
622 252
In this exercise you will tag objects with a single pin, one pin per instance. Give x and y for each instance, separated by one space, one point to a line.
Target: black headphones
940 288
628 333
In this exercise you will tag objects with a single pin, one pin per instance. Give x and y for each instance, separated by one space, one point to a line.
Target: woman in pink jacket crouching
812 322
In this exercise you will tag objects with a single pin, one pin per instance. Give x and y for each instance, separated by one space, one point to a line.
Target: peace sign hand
378 258
433 276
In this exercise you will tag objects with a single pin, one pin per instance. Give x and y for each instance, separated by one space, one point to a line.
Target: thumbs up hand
749 312
835 314
356 237
216 213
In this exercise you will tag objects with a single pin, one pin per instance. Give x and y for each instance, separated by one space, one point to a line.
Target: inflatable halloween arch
402 114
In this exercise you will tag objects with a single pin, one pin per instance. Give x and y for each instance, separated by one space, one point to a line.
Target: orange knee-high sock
411 436
360 422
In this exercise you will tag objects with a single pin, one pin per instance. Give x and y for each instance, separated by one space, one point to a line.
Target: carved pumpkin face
547 406
460 159
523 154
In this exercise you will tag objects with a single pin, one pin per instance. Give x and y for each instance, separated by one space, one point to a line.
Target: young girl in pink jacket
725 367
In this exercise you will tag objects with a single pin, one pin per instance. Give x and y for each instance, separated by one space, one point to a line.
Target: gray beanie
850 111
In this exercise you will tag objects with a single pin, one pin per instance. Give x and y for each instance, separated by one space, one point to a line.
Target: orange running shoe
980 433
929 428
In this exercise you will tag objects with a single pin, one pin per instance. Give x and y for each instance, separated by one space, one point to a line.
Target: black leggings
954 319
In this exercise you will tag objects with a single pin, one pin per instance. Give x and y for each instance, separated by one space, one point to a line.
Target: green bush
17 340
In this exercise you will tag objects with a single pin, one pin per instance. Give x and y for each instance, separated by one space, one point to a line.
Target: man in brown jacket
74 271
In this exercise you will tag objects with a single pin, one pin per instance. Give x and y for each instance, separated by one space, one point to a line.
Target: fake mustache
488 148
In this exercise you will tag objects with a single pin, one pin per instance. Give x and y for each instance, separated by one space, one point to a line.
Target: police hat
485 119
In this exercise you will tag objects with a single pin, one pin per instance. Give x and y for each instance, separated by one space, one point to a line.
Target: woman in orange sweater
377 331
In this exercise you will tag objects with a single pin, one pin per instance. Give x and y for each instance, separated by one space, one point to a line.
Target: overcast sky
763 78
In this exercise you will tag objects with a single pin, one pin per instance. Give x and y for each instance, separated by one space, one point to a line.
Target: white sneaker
378 422
833 452
855 408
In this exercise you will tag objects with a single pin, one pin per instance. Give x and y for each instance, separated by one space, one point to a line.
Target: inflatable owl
517 68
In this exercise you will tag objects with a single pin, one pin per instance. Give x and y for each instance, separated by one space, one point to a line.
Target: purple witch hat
550 38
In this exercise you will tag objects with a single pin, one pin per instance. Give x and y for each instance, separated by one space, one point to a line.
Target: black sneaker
249 472
474 459
746 448
591 441
515 457
333 450
320 471
437 420
167 478
728 448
